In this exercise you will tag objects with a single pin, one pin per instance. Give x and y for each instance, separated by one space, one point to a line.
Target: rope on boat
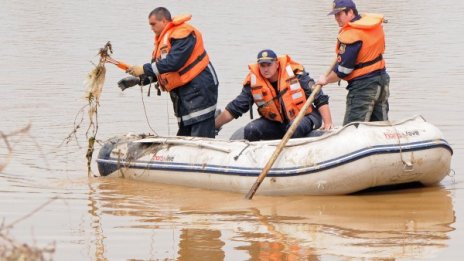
407 165
244 148
145 110
183 142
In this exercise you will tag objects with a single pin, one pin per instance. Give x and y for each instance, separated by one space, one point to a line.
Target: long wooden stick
284 140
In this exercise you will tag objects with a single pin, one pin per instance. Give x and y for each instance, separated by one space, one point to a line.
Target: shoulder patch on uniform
341 49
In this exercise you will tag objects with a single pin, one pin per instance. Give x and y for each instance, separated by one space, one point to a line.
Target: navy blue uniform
195 102
265 129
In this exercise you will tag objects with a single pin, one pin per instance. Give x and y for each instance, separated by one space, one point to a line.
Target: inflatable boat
355 157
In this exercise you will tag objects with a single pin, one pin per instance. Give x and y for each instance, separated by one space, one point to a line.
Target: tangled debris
93 88
96 78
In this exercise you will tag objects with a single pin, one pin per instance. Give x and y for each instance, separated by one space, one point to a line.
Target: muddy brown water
46 49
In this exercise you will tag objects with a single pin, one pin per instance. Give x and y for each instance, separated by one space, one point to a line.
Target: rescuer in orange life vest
360 62
279 87
181 66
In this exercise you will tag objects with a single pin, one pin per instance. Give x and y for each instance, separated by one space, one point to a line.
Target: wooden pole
285 139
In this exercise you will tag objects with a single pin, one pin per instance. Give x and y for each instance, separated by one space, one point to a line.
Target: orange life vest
196 63
289 91
369 30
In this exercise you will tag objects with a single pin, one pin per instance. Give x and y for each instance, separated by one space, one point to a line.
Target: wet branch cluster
94 87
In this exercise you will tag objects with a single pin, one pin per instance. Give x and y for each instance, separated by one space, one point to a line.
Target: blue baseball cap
266 56
340 5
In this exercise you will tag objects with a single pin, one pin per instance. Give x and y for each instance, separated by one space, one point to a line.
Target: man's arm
345 64
180 52
236 108
222 119
321 100
326 79
307 83
324 110
241 103
181 49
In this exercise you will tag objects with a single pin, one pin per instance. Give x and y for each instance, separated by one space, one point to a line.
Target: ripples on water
46 51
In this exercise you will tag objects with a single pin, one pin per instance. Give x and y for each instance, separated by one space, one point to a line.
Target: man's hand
135 70
128 82
327 126
322 80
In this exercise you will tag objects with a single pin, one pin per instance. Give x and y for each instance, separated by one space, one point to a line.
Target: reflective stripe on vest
297 95
253 80
294 85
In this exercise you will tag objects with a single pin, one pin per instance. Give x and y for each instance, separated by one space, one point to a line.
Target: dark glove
128 82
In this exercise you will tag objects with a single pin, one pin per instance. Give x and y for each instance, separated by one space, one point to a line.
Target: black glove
128 82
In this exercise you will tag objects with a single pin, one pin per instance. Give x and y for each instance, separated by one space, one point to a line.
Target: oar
284 140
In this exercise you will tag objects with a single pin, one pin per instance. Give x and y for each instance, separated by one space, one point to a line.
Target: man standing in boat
181 66
360 62
279 87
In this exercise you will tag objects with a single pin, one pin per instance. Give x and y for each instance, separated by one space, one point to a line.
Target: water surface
46 51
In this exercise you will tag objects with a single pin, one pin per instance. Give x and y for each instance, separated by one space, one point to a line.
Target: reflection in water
213 225
94 211
201 244
277 245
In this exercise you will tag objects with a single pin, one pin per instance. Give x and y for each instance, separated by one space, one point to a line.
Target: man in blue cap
279 87
360 62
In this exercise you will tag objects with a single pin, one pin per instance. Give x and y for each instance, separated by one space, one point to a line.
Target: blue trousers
264 129
200 129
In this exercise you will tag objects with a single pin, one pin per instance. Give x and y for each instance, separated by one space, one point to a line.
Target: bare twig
5 138
10 249
31 213
77 126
